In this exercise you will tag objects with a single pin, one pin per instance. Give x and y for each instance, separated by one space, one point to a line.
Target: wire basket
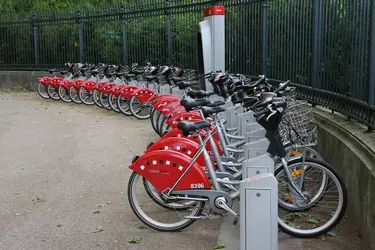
291 95
298 125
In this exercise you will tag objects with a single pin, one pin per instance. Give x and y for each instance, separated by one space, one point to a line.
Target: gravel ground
63 175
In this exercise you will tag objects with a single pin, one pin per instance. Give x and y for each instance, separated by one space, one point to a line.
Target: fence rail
326 47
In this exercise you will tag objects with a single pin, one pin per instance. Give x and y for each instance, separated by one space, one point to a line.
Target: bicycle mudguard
117 89
66 83
182 145
175 132
162 96
89 85
55 81
183 116
172 110
77 83
45 80
165 101
101 85
107 89
162 168
144 94
127 91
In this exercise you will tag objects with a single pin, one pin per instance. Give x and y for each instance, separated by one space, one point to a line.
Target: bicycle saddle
120 74
189 104
184 84
199 93
216 104
177 79
188 127
210 111
151 77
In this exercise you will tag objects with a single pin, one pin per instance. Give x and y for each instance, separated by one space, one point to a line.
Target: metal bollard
258 210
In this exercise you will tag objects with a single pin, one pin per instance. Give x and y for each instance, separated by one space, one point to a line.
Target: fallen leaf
96 212
219 246
135 240
108 202
99 229
59 225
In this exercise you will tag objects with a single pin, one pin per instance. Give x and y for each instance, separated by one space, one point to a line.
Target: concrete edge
361 143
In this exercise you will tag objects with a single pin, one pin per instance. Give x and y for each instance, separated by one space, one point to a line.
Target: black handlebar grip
260 113
283 86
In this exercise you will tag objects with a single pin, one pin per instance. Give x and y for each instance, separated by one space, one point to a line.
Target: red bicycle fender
183 116
162 168
182 145
143 94
127 91
175 132
161 105
173 110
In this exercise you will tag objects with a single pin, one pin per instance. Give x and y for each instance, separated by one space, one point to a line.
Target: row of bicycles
123 89
194 170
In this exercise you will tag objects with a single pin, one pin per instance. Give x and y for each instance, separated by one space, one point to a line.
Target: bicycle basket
298 125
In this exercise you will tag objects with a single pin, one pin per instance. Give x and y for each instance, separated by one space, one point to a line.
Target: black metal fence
326 47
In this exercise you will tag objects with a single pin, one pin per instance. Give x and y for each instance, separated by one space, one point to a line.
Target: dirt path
63 174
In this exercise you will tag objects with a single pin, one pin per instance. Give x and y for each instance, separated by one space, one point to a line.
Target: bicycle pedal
235 221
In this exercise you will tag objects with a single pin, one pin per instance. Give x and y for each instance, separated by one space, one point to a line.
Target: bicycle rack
258 210
258 165
165 89
255 148
231 116
242 120
255 135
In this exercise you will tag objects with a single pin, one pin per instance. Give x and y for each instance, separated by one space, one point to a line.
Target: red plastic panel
214 11
144 94
184 116
127 91
163 168
182 145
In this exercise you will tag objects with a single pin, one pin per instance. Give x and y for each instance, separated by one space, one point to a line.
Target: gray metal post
259 213
36 52
80 35
317 41
265 39
169 32
371 83
124 41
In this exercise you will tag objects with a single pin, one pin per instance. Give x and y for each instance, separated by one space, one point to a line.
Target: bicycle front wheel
324 200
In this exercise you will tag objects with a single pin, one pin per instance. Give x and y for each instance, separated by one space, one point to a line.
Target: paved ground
60 163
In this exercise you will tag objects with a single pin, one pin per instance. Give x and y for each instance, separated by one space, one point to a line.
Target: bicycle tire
113 104
52 96
134 112
62 96
141 215
75 98
126 110
336 219
83 100
38 90
101 100
95 97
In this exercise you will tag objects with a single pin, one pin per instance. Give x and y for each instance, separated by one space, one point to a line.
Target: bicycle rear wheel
53 93
123 106
42 91
64 94
73 93
85 96
104 101
138 109
154 215
95 97
112 100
